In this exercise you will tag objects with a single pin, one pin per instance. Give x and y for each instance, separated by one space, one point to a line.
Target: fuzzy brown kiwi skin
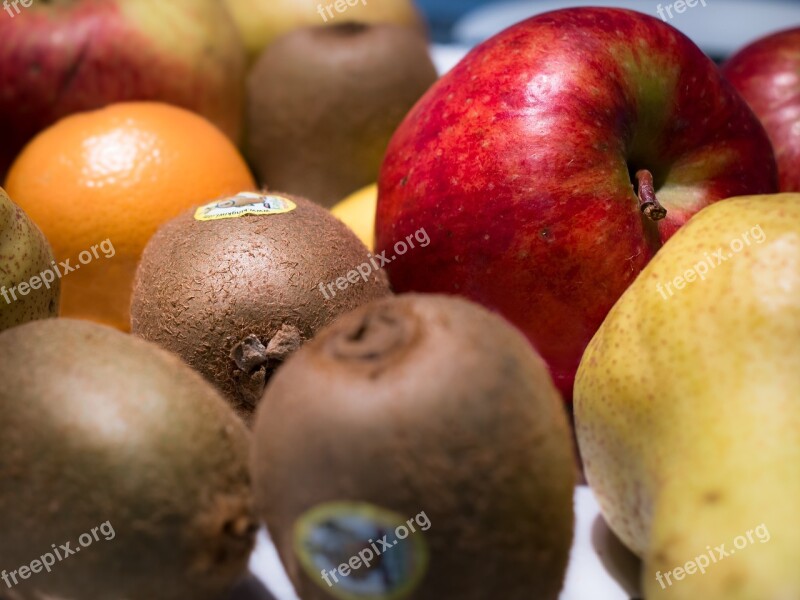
100 426
425 403
249 588
234 297
323 103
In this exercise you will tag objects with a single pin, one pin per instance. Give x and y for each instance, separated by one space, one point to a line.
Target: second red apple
767 74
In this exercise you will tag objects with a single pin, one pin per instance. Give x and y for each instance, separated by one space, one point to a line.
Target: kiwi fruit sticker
244 203
359 551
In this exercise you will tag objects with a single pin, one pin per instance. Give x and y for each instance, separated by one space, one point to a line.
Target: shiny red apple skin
58 58
517 164
767 74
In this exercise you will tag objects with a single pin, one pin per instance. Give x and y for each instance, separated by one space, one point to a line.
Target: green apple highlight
688 409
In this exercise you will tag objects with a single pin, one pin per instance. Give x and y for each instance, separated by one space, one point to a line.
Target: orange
100 183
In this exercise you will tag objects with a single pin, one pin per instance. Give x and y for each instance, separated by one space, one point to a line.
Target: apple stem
648 203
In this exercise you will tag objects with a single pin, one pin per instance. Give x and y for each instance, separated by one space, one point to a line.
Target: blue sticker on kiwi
245 203
359 551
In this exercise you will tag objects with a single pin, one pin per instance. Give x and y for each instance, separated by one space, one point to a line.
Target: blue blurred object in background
719 28
442 15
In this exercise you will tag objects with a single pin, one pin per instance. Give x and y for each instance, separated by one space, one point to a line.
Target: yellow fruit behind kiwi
261 22
357 211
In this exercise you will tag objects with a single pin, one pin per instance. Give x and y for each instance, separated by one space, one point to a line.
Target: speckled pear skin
24 253
687 407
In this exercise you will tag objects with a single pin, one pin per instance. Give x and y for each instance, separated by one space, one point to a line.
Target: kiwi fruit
417 405
249 588
236 286
116 449
323 103
25 259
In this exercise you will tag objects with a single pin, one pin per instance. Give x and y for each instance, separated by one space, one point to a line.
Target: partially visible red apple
767 74
57 58
521 164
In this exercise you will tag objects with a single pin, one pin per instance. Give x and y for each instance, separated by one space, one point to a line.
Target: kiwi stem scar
648 203
374 338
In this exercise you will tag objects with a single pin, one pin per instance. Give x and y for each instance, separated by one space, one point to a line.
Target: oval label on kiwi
359 551
245 203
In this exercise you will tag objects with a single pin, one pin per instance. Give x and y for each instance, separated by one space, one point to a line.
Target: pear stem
648 203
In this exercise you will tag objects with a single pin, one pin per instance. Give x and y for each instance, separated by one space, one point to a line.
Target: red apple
57 58
521 165
767 74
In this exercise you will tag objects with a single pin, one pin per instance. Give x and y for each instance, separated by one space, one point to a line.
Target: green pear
27 293
687 407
